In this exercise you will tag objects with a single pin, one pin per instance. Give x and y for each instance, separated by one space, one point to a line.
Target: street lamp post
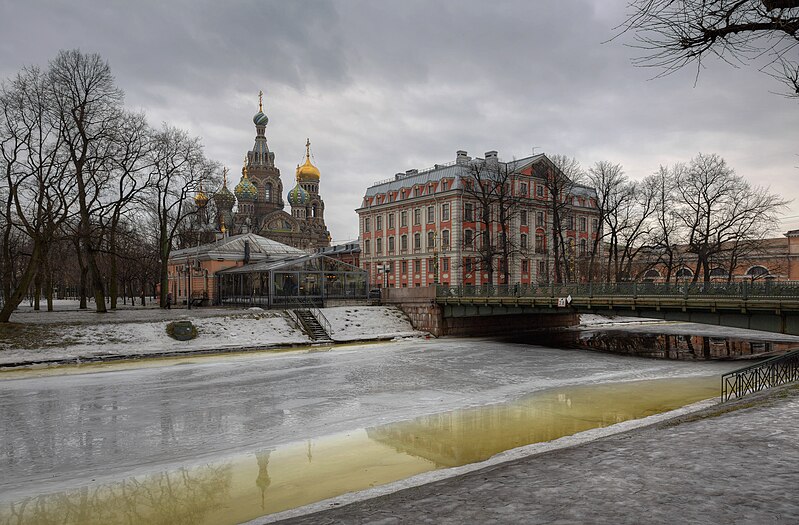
189 274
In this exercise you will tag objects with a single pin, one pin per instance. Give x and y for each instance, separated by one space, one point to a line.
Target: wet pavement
735 467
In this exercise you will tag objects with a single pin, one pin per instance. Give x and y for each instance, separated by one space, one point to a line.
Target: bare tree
718 207
131 178
88 104
560 176
36 185
675 33
636 225
607 179
178 166
480 187
665 231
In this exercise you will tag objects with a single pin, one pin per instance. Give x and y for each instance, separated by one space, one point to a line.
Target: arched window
268 192
583 247
718 272
684 273
314 211
431 240
651 275
757 271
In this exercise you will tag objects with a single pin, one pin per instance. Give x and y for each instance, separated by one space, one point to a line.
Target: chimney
461 157
408 173
246 252
398 176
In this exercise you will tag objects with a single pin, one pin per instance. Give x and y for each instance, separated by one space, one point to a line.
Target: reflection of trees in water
182 497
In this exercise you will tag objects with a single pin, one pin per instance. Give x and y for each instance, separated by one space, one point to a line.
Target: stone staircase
311 325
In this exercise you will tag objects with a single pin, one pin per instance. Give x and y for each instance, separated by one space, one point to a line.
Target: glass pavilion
307 279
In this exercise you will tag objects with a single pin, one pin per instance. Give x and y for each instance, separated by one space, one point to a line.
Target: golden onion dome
201 199
308 172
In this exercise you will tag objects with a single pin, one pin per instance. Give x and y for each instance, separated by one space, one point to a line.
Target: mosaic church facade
258 198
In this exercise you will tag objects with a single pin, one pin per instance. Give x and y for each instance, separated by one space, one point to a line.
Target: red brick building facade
775 258
421 227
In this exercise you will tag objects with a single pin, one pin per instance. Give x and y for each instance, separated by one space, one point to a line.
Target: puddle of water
244 487
661 346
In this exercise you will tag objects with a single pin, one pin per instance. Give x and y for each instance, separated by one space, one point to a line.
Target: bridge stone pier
425 313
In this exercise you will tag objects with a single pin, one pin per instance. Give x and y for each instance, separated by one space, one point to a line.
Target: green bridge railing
772 372
741 290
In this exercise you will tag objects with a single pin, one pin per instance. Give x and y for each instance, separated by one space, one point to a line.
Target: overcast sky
382 87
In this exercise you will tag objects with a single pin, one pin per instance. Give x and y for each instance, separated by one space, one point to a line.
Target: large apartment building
427 226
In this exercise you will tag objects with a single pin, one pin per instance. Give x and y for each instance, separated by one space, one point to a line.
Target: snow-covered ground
358 323
72 335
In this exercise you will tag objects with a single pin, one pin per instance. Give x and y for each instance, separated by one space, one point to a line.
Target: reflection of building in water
263 481
467 436
680 346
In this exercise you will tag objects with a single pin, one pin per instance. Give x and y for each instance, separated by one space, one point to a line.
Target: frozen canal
71 428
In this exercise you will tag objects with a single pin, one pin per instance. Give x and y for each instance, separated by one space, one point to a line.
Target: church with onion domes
258 198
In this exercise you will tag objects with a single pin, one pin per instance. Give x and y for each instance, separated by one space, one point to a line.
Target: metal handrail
321 319
772 372
299 302
741 290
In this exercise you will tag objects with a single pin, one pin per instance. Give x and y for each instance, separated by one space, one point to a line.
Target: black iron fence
766 374
740 290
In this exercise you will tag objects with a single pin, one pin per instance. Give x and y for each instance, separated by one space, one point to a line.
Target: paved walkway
717 466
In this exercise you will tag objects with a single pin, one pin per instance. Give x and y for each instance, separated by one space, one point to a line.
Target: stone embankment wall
419 304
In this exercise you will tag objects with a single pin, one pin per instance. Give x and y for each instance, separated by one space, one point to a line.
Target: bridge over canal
488 310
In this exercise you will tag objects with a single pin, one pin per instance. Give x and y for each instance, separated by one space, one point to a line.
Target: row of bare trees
86 180
699 214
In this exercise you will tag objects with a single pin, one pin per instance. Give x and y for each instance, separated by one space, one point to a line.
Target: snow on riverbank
353 323
138 334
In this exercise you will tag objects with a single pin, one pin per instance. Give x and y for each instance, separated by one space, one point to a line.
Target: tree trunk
18 294
84 273
163 268
113 288
37 287
48 284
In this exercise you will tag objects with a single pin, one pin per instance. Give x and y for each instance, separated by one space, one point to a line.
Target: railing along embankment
772 372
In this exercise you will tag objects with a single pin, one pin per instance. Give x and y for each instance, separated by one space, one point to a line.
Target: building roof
232 248
307 262
347 247
452 170
457 170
